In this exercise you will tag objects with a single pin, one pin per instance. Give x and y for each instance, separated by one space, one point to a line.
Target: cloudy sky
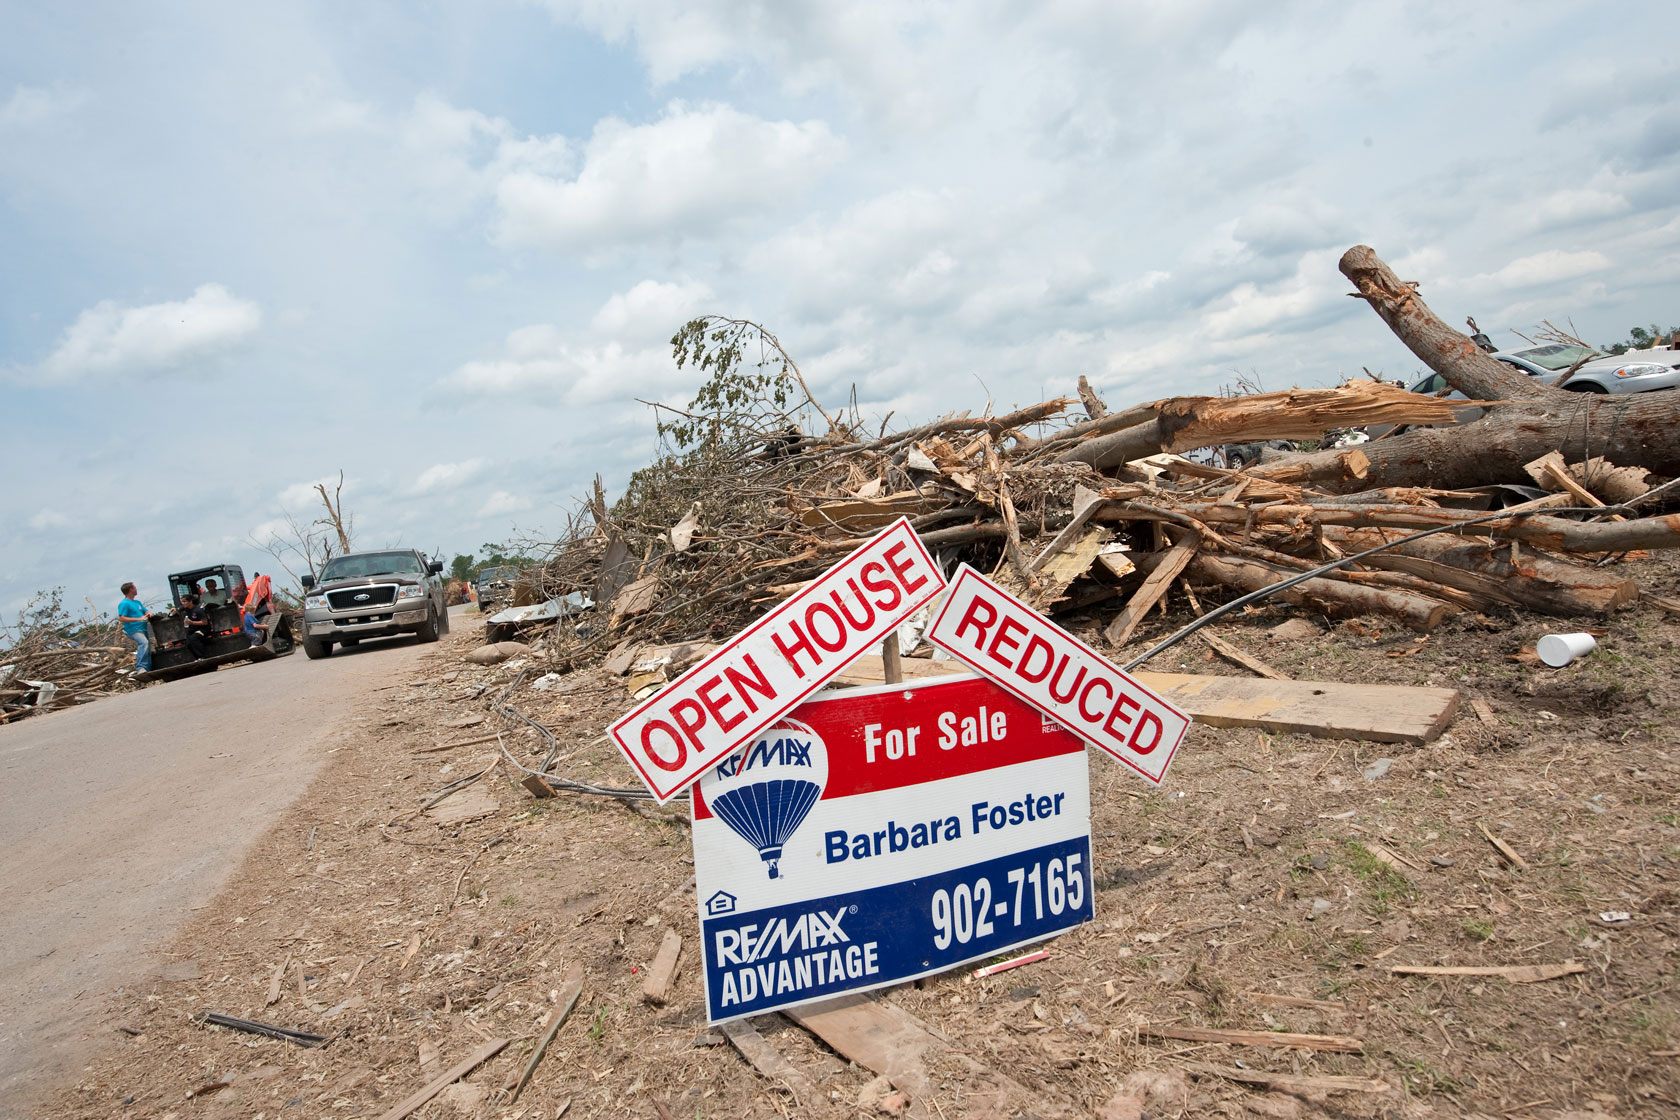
442 247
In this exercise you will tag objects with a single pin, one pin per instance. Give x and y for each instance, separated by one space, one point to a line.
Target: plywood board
857 515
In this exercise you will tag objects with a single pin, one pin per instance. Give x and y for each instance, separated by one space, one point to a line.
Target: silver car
371 595
1637 371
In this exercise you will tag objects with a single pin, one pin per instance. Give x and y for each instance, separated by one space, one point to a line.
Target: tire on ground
427 631
316 648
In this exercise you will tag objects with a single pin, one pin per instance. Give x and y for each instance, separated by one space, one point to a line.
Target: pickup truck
372 595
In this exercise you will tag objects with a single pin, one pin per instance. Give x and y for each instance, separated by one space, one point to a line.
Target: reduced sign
994 632
881 834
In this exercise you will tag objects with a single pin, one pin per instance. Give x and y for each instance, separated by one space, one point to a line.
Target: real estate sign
876 835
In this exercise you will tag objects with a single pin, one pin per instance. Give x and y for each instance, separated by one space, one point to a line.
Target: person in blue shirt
134 615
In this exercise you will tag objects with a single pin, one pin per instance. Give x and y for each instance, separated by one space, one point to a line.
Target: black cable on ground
507 711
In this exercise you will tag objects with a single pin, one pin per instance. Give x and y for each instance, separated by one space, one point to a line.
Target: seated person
257 634
197 623
213 595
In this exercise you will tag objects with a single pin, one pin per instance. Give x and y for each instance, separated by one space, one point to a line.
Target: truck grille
352 598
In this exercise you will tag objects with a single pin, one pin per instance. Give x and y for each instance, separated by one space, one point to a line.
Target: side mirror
307 581
435 567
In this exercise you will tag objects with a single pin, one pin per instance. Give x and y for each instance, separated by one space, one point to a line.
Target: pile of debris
1533 506
52 661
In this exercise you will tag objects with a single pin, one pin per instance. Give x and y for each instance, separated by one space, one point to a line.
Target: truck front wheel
427 631
316 648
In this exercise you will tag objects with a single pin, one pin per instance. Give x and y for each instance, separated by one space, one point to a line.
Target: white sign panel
994 632
880 834
778 661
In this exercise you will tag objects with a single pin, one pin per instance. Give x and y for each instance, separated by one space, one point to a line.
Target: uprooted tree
1527 419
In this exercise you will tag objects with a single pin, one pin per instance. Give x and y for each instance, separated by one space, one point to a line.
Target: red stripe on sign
901 735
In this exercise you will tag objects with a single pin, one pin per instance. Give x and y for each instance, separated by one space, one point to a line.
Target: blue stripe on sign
760 960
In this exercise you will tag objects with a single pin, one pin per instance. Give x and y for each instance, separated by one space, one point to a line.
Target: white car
1637 371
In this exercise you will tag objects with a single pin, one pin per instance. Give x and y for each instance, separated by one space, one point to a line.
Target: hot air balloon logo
767 788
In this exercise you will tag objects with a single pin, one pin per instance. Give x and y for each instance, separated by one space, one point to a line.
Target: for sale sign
1041 663
881 834
750 682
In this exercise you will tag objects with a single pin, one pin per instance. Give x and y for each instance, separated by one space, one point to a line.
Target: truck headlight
1641 369
414 592
311 602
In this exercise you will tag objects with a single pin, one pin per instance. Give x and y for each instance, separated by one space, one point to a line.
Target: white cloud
1314 290
108 339
447 476
304 493
624 353
906 244
502 503
687 173
1549 267
1575 205
49 519
650 308
459 155
30 106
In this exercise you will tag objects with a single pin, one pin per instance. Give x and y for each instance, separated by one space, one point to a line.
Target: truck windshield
371 564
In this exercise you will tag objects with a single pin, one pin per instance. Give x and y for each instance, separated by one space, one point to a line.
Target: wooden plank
768 1061
857 514
445 1079
1515 973
463 805
892 661
874 1033
1176 559
1552 473
569 993
1237 657
1085 500
1376 713
656 987
1338 1042
1289 1082
539 788
885 1038
1504 849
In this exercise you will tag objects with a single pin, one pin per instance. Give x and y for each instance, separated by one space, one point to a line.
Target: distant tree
503 555
461 568
1642 338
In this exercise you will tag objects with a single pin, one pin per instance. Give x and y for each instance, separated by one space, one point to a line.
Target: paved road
117 818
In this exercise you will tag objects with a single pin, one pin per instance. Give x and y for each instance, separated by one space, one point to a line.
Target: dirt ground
1256 871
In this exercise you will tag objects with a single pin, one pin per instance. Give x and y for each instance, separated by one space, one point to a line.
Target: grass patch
1478 928
1383 884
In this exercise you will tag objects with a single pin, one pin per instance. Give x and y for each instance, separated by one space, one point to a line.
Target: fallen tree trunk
1184 423
1555 533
1535 582
1631 431
1342 600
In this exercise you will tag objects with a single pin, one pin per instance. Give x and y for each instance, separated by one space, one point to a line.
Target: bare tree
310 545
335 519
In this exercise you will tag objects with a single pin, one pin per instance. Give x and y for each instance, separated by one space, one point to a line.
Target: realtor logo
720 903
765 790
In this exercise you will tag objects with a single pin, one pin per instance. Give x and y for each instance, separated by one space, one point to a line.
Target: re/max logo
745 944
785 751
